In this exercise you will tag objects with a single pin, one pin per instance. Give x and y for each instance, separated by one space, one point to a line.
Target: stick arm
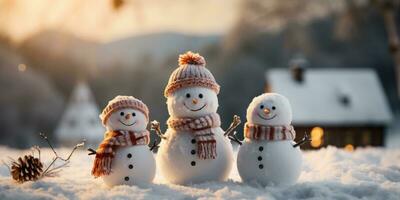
230 131
305 139
155 126
235 123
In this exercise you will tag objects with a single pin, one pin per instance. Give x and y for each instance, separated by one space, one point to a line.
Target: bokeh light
317 134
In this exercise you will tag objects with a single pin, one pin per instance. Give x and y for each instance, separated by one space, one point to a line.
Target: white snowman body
179 163
177 156
134 165
269 162
131 165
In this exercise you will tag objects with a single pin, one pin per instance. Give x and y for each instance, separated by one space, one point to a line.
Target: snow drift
330 173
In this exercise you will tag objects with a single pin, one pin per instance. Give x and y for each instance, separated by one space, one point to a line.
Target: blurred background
62 61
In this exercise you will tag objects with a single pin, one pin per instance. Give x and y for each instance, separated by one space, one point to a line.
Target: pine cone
28 168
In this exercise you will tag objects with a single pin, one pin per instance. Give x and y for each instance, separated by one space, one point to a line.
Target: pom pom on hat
191 73
190 58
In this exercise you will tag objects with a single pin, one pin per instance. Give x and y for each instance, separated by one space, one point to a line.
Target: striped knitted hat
120 102
191 72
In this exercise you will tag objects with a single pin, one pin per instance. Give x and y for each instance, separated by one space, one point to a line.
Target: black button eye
122 113
187 95
200 95
262 107
273 107
133 114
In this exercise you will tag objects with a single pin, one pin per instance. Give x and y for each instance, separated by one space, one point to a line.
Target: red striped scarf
260 132
114 139
201 129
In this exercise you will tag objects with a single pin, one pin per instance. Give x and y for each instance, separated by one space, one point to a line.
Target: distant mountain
151 48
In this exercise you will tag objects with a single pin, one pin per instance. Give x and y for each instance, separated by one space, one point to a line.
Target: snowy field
329 173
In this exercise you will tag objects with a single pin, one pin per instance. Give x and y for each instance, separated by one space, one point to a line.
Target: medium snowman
123 157
194 148
268 155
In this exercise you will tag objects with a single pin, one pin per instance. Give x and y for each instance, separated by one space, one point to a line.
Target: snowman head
191 90
192 102
270 109
126 119
125 113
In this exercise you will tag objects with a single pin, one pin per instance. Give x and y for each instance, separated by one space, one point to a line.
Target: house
341 107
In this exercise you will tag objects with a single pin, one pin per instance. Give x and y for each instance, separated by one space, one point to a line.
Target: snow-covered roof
333 96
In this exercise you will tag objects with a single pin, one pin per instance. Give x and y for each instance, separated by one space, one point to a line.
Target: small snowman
268 155
194 148
123 157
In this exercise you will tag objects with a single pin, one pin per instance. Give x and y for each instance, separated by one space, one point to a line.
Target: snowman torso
179 163
132 165
267 155
269 162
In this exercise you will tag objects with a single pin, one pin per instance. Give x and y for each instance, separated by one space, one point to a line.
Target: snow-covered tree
80 119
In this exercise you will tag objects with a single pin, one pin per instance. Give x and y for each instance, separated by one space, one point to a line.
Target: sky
99 21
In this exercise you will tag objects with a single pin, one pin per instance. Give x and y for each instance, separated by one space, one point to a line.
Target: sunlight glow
104 21
22 67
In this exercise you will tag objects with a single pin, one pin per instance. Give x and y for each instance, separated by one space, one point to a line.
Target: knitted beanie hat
120 102
191 72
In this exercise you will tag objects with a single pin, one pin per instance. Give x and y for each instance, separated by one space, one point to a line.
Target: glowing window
317 134
349 148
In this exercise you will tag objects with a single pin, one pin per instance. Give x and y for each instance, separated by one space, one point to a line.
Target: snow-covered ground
330 173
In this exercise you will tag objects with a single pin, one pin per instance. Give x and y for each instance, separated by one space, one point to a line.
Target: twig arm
235 123
154 146
305 139
91 152
155 126
233 137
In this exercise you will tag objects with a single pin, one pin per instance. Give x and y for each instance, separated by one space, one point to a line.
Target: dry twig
305 139
235 122
155 126
51 170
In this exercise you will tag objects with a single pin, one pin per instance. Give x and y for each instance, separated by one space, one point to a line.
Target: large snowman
268 154
194 148
124 157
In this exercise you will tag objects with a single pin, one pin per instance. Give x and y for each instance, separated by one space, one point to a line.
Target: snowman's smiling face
266 112
269 109
192 102
127 119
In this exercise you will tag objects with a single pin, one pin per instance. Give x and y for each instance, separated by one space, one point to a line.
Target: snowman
194 148
268 155
123 157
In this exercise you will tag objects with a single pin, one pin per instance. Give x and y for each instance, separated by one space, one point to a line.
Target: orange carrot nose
127 116
195 101
267 111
